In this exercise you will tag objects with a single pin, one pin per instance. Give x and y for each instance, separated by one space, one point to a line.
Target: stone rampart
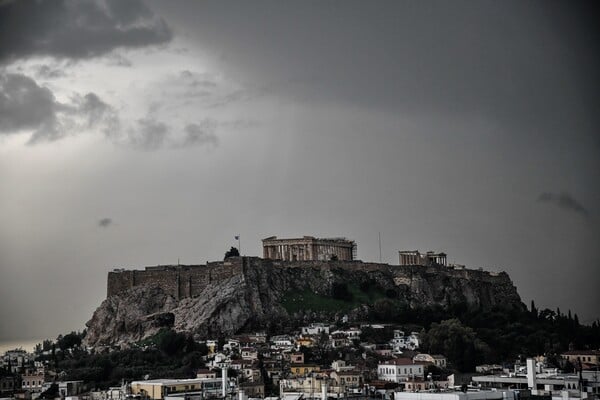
182 281
177 280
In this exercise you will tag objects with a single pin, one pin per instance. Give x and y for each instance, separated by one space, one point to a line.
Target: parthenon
414 257
309 248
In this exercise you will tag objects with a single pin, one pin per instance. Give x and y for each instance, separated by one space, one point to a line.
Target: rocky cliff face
251 299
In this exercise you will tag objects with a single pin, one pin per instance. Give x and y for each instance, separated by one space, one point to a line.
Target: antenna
379 247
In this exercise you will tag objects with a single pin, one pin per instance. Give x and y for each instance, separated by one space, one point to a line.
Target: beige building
436 359
414 257
585 356
309 248
348 379
33 382
157 389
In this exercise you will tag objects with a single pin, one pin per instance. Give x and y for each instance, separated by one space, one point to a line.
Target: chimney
531 375
224 377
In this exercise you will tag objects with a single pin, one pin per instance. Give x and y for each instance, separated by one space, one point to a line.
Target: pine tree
534 310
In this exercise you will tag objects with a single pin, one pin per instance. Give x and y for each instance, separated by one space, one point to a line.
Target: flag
237 237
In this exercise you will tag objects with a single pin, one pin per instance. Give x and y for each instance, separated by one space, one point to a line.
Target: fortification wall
182 281
179 281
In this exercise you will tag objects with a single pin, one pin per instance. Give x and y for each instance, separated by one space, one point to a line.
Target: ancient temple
414 257
309 248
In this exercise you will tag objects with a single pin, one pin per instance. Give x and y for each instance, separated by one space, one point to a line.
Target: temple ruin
414 257
309 248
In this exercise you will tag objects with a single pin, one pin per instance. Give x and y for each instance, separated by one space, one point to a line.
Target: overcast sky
143 133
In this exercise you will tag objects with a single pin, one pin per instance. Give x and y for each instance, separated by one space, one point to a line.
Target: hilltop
250 293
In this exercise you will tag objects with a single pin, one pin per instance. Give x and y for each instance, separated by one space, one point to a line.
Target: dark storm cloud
200 134
76 29
564 201
27 106
105 222
520 64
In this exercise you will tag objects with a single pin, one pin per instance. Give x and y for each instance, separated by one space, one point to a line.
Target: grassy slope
307 300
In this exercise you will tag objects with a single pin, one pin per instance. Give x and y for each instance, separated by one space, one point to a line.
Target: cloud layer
76 29
564 201
27 106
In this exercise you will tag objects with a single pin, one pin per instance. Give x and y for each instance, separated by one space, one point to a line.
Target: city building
33 381
436 359
156 389
399 370
316 328
402 341
544 383
309 248
591 357
478 395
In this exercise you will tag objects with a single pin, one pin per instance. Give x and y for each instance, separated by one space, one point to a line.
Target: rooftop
398 361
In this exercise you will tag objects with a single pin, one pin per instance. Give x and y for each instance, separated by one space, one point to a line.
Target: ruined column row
308 249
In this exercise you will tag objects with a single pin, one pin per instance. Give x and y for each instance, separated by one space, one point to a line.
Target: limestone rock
249 298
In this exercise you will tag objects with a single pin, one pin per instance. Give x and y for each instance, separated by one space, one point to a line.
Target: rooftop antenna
380 247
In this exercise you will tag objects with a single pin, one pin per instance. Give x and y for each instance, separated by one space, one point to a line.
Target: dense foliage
166 355
503 334
232 252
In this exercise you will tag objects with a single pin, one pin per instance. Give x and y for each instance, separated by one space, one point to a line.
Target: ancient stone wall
182 281
177 280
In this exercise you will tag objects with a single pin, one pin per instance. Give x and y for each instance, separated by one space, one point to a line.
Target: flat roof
173 381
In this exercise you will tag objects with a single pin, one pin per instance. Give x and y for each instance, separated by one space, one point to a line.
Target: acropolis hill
247 293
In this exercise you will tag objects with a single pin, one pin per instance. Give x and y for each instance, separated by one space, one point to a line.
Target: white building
352 333
282 342
315 329
480 395
402 341
399 370
544 383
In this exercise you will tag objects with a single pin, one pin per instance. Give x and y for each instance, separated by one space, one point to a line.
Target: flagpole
239 244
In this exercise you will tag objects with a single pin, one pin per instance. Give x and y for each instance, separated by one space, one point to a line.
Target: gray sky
136 134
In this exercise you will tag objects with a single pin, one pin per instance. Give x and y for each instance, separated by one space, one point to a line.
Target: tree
457 342
69 341
534 310
340 291
171 342
384 309
233 252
